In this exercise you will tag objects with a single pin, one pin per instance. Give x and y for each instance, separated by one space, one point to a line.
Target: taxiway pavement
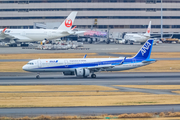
103 79
86 111
95 48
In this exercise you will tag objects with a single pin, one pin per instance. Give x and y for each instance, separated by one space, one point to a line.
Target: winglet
85 56
122 61
73 27
4 30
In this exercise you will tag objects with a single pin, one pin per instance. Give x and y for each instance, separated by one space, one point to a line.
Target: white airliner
88 66
138 38
15 36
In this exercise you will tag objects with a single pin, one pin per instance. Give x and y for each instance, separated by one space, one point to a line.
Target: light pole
161 20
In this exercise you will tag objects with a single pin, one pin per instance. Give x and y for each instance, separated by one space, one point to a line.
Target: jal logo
145 48
68 22
148 31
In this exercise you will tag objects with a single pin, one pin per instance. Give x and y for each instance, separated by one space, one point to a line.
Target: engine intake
81 72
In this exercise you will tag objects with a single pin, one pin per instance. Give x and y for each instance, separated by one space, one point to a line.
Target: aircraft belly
52 70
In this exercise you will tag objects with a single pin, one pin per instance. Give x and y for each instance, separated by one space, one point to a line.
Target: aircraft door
39 63
66 63
134 61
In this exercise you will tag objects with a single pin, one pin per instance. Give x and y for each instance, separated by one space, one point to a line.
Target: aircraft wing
102 67
106 66
73 32
8 37
19 37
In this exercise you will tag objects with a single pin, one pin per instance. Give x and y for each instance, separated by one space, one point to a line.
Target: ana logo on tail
145 47
68 22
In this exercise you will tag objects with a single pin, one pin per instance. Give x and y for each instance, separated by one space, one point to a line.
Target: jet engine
80 72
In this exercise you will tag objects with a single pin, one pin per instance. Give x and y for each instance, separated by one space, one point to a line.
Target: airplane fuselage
65 65
85 66
29 35
138 38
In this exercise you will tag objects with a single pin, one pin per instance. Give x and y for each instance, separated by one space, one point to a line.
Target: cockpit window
30 63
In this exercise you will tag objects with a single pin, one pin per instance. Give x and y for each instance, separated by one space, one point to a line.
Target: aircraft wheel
14 45
93 76
108 41
37 77
131 43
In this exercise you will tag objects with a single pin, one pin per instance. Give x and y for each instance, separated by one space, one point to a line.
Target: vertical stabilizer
145 51
68 22
148 32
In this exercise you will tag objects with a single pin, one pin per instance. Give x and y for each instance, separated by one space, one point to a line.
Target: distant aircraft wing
20 37
72 32
12 37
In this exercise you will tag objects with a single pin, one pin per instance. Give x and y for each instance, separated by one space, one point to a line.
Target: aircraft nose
24 67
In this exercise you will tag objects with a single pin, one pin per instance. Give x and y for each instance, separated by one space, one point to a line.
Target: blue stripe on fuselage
93 64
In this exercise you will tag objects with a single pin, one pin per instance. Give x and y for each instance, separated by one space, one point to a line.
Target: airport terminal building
116 15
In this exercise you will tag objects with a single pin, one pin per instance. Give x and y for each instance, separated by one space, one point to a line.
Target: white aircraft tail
68 22
148 32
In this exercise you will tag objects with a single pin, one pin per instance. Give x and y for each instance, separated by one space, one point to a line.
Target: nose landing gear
38 76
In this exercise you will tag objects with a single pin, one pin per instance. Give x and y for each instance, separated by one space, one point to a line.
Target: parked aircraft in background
88 66
137 38
21 36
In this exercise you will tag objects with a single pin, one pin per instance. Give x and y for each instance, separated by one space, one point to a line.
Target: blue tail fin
145 51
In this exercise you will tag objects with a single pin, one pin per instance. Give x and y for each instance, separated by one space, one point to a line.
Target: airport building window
74 1
92 17
103 27
91 9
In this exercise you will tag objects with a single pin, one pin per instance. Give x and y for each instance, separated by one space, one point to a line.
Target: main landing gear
93 75
13 45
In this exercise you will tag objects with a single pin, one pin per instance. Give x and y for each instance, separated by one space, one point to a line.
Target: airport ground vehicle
170 40
88 66
16 36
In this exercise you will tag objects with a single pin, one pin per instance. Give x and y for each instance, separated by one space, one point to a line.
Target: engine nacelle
80 72
68 73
